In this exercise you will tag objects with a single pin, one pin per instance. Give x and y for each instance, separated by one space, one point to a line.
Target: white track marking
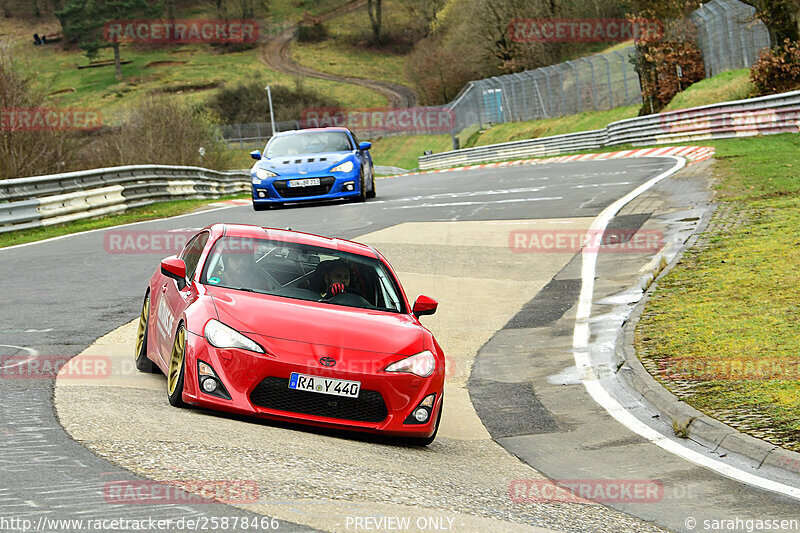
589 185
114 227
460 195
453 204
580 343
33 353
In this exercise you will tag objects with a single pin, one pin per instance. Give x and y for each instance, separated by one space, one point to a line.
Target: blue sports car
312 165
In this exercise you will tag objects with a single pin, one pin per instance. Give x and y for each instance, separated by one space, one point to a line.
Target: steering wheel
350 299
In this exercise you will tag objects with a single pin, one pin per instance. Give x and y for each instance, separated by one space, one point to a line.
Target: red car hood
318 323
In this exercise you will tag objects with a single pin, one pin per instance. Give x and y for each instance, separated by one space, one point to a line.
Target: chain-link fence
729 34
593 83
366 123
255 134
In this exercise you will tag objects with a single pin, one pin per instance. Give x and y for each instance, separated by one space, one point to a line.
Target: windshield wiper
246 289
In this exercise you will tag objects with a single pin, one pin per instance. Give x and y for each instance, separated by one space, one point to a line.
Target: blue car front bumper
277 190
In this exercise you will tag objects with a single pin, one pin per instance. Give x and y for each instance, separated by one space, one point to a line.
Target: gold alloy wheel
142 326
176 360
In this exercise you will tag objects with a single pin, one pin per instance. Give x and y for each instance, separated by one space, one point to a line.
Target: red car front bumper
258 386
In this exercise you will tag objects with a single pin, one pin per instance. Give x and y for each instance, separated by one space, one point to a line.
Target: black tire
371 194
260 207
143 364
362 193
425 441
177 370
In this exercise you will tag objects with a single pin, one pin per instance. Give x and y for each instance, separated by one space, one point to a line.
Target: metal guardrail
767 115
46 200
571 142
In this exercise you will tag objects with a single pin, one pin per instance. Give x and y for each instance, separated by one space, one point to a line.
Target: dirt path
277 56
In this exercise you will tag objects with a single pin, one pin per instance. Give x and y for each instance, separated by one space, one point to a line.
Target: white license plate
336 387
308 182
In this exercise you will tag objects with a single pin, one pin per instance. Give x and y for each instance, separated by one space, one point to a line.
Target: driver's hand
337 288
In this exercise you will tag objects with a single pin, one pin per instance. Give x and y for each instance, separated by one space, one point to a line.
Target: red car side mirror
424 306
174 268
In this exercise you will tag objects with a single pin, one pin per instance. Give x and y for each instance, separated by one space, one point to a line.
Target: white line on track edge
580 343
68 235
31 351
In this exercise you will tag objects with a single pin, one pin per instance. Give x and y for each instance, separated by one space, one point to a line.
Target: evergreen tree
83 21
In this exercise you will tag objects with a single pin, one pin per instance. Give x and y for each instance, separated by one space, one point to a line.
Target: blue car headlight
347 166
262 174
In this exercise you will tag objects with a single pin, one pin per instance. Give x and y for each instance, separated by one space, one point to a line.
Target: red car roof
258 232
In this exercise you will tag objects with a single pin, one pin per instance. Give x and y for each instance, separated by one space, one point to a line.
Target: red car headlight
222 336
422 364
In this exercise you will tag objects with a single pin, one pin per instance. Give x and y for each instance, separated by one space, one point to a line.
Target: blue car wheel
371 192
362 188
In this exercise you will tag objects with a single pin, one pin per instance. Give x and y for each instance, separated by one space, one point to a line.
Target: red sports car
292 326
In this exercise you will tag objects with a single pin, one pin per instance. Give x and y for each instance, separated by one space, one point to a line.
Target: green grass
736 299
293 10
403 151
516 131
157 210
724 87
345 60
195 69
194 75
346 51
758 167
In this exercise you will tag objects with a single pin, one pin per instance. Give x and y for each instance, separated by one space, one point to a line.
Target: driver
337 278
241 271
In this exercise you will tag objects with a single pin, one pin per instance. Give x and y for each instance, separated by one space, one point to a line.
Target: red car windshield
302 272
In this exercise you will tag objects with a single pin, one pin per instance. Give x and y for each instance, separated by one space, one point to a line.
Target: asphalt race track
516 410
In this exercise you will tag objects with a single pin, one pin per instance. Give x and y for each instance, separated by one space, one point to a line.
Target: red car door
173 300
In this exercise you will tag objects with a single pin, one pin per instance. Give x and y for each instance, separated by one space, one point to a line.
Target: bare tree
24 152
424 12
375 18
241 9
782 18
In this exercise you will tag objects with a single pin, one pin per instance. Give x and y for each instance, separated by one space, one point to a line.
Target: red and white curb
693 154
226 203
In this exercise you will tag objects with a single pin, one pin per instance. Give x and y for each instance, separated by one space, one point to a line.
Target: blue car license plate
308 182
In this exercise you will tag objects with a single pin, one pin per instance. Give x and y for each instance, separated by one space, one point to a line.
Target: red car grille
274 393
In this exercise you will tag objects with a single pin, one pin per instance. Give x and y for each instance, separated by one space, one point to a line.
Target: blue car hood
303 163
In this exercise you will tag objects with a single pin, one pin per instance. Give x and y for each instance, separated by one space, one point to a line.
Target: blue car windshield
312 142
